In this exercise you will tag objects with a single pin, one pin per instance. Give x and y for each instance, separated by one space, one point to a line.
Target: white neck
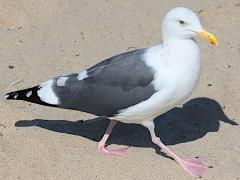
176 43
180 50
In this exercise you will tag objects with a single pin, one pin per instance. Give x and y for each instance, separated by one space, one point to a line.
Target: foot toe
194 166
113 152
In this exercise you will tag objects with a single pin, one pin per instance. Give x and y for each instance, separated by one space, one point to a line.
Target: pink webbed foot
194 166
113 152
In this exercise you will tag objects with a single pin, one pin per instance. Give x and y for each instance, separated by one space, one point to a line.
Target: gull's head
182 23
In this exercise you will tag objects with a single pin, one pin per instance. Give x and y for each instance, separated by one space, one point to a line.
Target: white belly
159 103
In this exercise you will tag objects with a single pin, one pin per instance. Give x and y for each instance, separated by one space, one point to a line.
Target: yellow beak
208 36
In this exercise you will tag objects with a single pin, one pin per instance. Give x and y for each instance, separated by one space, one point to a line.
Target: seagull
136 86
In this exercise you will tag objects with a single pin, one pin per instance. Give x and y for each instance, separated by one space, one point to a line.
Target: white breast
176 76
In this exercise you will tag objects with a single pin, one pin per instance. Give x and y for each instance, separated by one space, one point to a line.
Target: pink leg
101 144
193 166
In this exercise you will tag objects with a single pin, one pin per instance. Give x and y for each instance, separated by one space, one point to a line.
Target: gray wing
111 85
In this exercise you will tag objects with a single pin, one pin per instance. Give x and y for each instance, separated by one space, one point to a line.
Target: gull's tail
29 95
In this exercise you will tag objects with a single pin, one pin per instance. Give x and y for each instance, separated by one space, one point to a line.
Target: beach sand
41 39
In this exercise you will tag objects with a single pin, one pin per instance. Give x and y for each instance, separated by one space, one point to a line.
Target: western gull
136 86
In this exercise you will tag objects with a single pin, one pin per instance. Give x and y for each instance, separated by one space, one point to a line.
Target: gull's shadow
195 119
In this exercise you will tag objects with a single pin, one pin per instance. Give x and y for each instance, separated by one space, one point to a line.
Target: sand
41 39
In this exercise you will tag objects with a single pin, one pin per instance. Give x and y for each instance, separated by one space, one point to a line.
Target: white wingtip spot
47 94
82 75
15 96
29 94
62 81
6 96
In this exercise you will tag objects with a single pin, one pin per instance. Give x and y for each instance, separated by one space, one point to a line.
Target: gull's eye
181 22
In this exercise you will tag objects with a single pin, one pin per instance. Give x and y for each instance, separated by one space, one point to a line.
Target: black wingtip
22 94
10 95
31 97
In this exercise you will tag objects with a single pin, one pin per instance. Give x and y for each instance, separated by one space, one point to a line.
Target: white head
182 23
